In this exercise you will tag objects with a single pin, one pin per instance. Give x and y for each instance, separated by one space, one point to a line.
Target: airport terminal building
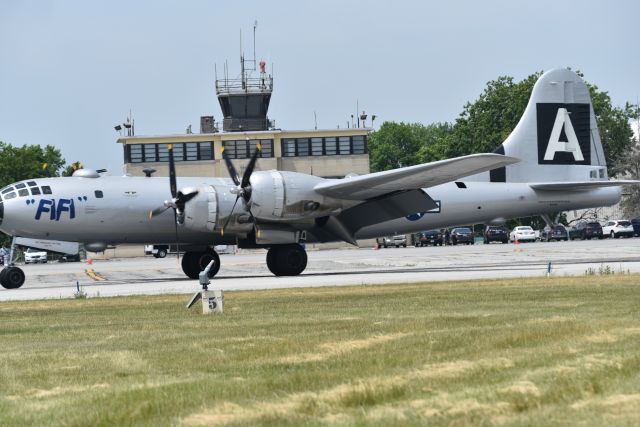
244 102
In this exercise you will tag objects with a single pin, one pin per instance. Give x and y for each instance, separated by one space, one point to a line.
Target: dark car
496 234
557 232
462 235
587 230
430 237
69 258
636 226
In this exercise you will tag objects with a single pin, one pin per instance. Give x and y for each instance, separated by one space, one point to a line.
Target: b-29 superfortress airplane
552 161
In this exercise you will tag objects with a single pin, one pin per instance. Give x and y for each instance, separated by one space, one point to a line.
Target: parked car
617 227
495 234
635 222
397 241
69 258
522 233
158 251
35 256
462 235
430 237
586 230
558 232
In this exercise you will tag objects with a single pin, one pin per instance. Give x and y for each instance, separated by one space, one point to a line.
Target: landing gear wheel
287 260
11 277
194 262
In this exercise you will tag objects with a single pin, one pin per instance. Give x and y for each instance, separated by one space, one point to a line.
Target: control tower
245 100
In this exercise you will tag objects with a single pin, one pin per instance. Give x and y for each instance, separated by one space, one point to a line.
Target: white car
617 227
523 233
34 256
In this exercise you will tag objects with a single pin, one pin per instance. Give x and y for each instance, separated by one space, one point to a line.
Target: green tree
18 163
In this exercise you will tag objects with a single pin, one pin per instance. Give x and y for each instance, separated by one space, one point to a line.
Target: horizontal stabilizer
426 175
581 185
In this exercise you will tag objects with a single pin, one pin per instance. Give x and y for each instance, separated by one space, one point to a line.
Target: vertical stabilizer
557 138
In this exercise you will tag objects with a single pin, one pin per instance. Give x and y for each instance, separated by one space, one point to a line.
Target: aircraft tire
12 278
286 260
194 262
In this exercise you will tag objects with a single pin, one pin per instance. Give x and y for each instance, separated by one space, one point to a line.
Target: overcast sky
71 70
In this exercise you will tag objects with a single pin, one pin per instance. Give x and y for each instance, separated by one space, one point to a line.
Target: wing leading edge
426 175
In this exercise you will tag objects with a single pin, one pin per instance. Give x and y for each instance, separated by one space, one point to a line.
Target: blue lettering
46 206
65 205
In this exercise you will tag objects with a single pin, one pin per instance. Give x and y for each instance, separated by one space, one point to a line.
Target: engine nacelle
201 212
287 196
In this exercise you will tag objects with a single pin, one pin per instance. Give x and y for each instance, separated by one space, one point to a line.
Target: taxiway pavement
336 267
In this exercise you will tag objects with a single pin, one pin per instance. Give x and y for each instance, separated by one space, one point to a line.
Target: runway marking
95 276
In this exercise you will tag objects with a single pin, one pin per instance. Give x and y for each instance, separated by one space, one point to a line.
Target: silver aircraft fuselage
75 212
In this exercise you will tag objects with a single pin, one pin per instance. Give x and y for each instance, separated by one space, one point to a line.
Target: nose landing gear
11 277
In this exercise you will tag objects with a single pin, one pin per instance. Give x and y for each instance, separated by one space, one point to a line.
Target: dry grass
560 351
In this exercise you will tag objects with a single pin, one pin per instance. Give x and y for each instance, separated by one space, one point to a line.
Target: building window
344 144
328 146
243 148
178 152
150 152
316 147
288 147
163 152
302 144
358 144
206 150
135 153
192 151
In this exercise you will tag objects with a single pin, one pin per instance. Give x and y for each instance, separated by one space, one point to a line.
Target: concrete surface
335 267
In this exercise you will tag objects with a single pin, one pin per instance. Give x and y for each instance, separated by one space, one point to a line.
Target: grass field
558 351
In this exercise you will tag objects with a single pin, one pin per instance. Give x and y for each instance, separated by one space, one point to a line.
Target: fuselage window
46 189
23 192
6 190
35 191
99 194
21 185
32 184
10 196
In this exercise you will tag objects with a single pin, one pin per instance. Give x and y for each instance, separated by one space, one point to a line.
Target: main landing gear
282 260
194 262
11 277
287 260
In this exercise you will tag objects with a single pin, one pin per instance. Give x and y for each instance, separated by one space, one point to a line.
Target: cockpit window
6 190
99 194
23 192
35 191
20 185
9 196
46 189
32 184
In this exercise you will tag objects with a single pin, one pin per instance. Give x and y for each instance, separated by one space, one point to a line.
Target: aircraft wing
581 185
426 175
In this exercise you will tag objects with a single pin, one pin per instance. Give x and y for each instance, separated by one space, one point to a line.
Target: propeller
243 187
178 200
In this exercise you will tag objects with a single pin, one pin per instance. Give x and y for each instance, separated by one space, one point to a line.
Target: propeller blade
229 217
232 170
157 211
172 173
250 166
183 198
175 223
